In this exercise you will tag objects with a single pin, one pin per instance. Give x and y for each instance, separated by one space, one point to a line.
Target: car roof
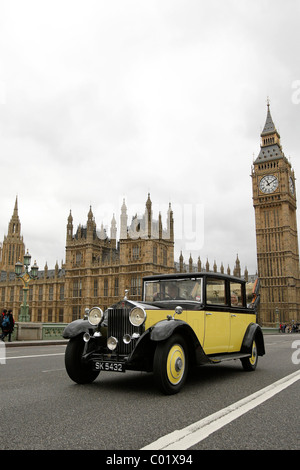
173 276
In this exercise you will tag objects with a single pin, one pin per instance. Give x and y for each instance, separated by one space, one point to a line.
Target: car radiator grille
118 326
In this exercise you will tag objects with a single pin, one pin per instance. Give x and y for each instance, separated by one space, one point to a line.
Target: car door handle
233 315
208 313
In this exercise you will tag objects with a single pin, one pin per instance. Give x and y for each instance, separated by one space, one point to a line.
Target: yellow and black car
183 320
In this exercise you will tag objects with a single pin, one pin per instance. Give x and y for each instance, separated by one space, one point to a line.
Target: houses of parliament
98 268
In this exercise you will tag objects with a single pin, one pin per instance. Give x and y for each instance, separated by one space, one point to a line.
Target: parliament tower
13 248
274 200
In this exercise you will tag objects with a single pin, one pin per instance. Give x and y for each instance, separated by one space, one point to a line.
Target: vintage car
184 320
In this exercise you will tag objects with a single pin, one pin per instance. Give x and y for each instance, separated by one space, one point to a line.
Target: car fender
77 327
164 329
253 332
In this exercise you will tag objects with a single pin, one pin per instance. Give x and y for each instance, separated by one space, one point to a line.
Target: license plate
109 366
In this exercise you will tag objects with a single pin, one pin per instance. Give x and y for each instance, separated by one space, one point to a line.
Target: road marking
35 355
187 437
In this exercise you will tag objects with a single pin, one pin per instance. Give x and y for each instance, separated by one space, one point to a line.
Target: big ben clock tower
274 200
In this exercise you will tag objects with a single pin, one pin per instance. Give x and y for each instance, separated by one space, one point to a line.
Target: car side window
236 294
215 292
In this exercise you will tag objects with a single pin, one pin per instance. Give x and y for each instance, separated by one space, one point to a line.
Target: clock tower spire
270 138
274 200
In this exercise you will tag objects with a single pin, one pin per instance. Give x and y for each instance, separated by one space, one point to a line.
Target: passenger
196 292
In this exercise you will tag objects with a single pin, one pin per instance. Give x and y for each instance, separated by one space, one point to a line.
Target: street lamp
26 277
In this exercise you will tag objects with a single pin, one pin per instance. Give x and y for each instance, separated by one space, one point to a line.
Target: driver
172 291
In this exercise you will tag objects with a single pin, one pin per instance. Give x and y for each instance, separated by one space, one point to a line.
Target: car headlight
137 316
95 316
112 343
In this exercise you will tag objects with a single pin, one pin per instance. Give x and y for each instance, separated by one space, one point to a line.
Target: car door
239 319
217 317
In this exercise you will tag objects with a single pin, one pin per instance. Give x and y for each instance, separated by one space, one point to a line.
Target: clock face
291 185
268 184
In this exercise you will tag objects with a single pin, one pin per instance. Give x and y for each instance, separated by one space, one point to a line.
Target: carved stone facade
97 268
274 200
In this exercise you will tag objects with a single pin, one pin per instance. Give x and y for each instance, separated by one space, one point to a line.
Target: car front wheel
250 363
77 370
170 364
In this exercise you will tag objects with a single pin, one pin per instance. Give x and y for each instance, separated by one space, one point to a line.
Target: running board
228 357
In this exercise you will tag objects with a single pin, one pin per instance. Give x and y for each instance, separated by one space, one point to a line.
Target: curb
52 342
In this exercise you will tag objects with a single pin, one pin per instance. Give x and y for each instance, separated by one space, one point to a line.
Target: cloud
105 100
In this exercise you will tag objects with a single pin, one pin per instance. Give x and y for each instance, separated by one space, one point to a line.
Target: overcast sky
105 100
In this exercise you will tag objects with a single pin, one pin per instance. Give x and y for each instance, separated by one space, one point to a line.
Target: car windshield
177 289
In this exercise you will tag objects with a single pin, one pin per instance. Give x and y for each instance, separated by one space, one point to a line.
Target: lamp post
26 277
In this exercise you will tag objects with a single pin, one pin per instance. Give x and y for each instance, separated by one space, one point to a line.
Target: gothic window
136 284
18 253
60 315
135 252
95 287
116 292
155 254
11 294
75 312
165 261
50 313
62 292
50 292
40 293
105 293
78 258
39 314
77 288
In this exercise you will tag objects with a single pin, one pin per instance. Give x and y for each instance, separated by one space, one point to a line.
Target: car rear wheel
250 363
77 370
170 364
